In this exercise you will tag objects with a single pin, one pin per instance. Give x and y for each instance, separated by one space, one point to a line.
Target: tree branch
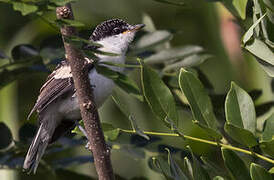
89 112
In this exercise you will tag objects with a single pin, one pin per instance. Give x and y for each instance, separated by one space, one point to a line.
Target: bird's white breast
102 88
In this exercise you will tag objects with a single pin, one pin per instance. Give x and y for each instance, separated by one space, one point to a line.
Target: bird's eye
116 30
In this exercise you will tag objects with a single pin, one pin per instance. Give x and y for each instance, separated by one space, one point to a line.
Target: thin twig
203 141
84 92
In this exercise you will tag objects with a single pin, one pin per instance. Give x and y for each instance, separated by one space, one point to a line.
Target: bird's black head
111 27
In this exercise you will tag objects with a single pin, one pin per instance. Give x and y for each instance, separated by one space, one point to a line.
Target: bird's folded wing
58 84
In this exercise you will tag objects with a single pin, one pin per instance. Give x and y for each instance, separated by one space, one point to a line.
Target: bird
57 104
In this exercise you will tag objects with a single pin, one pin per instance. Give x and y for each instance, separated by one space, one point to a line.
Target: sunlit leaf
147 20
250 31
264 53
218 178
24 8
239 109
240 116
151 40
189 61
111 133
236 7
173 53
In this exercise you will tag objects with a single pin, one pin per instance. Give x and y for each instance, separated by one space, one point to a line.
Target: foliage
170 81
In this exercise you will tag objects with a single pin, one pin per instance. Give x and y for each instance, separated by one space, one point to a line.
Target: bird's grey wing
58 83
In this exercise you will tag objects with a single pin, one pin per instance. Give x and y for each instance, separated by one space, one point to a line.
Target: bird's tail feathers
36 150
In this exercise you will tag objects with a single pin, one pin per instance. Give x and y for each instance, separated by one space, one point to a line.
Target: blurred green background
199 23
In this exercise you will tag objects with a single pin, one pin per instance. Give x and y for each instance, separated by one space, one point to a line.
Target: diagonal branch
89 113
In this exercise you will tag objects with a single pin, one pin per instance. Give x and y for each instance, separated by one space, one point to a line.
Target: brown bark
89 112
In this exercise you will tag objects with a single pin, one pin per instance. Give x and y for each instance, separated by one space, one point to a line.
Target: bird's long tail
36 149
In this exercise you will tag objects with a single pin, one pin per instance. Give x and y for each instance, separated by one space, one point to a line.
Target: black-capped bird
57 104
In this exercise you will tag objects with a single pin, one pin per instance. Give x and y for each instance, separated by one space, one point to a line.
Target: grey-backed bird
57 104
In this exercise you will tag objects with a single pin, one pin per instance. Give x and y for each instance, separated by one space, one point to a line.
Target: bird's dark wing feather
58 83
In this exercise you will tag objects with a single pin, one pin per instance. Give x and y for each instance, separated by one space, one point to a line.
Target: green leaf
158 95
69 22
241 135
24 8
268 147
268 133
198 171
174 53
79 42
137 129
151 40
189 61
268 68
250 31
259 49
236 7
172 2
122 105
235 165
175 168
240 7
271 170
111 133
240 116
188 167
6 136
213 166
267 139
257 172
147 20
218 178
160 165
199 101
121 80
61 2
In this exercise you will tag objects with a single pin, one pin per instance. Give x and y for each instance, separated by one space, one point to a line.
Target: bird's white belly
102 88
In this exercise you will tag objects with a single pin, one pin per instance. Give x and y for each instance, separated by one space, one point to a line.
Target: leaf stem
202 141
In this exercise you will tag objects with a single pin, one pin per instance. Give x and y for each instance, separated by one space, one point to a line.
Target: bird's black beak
135 28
